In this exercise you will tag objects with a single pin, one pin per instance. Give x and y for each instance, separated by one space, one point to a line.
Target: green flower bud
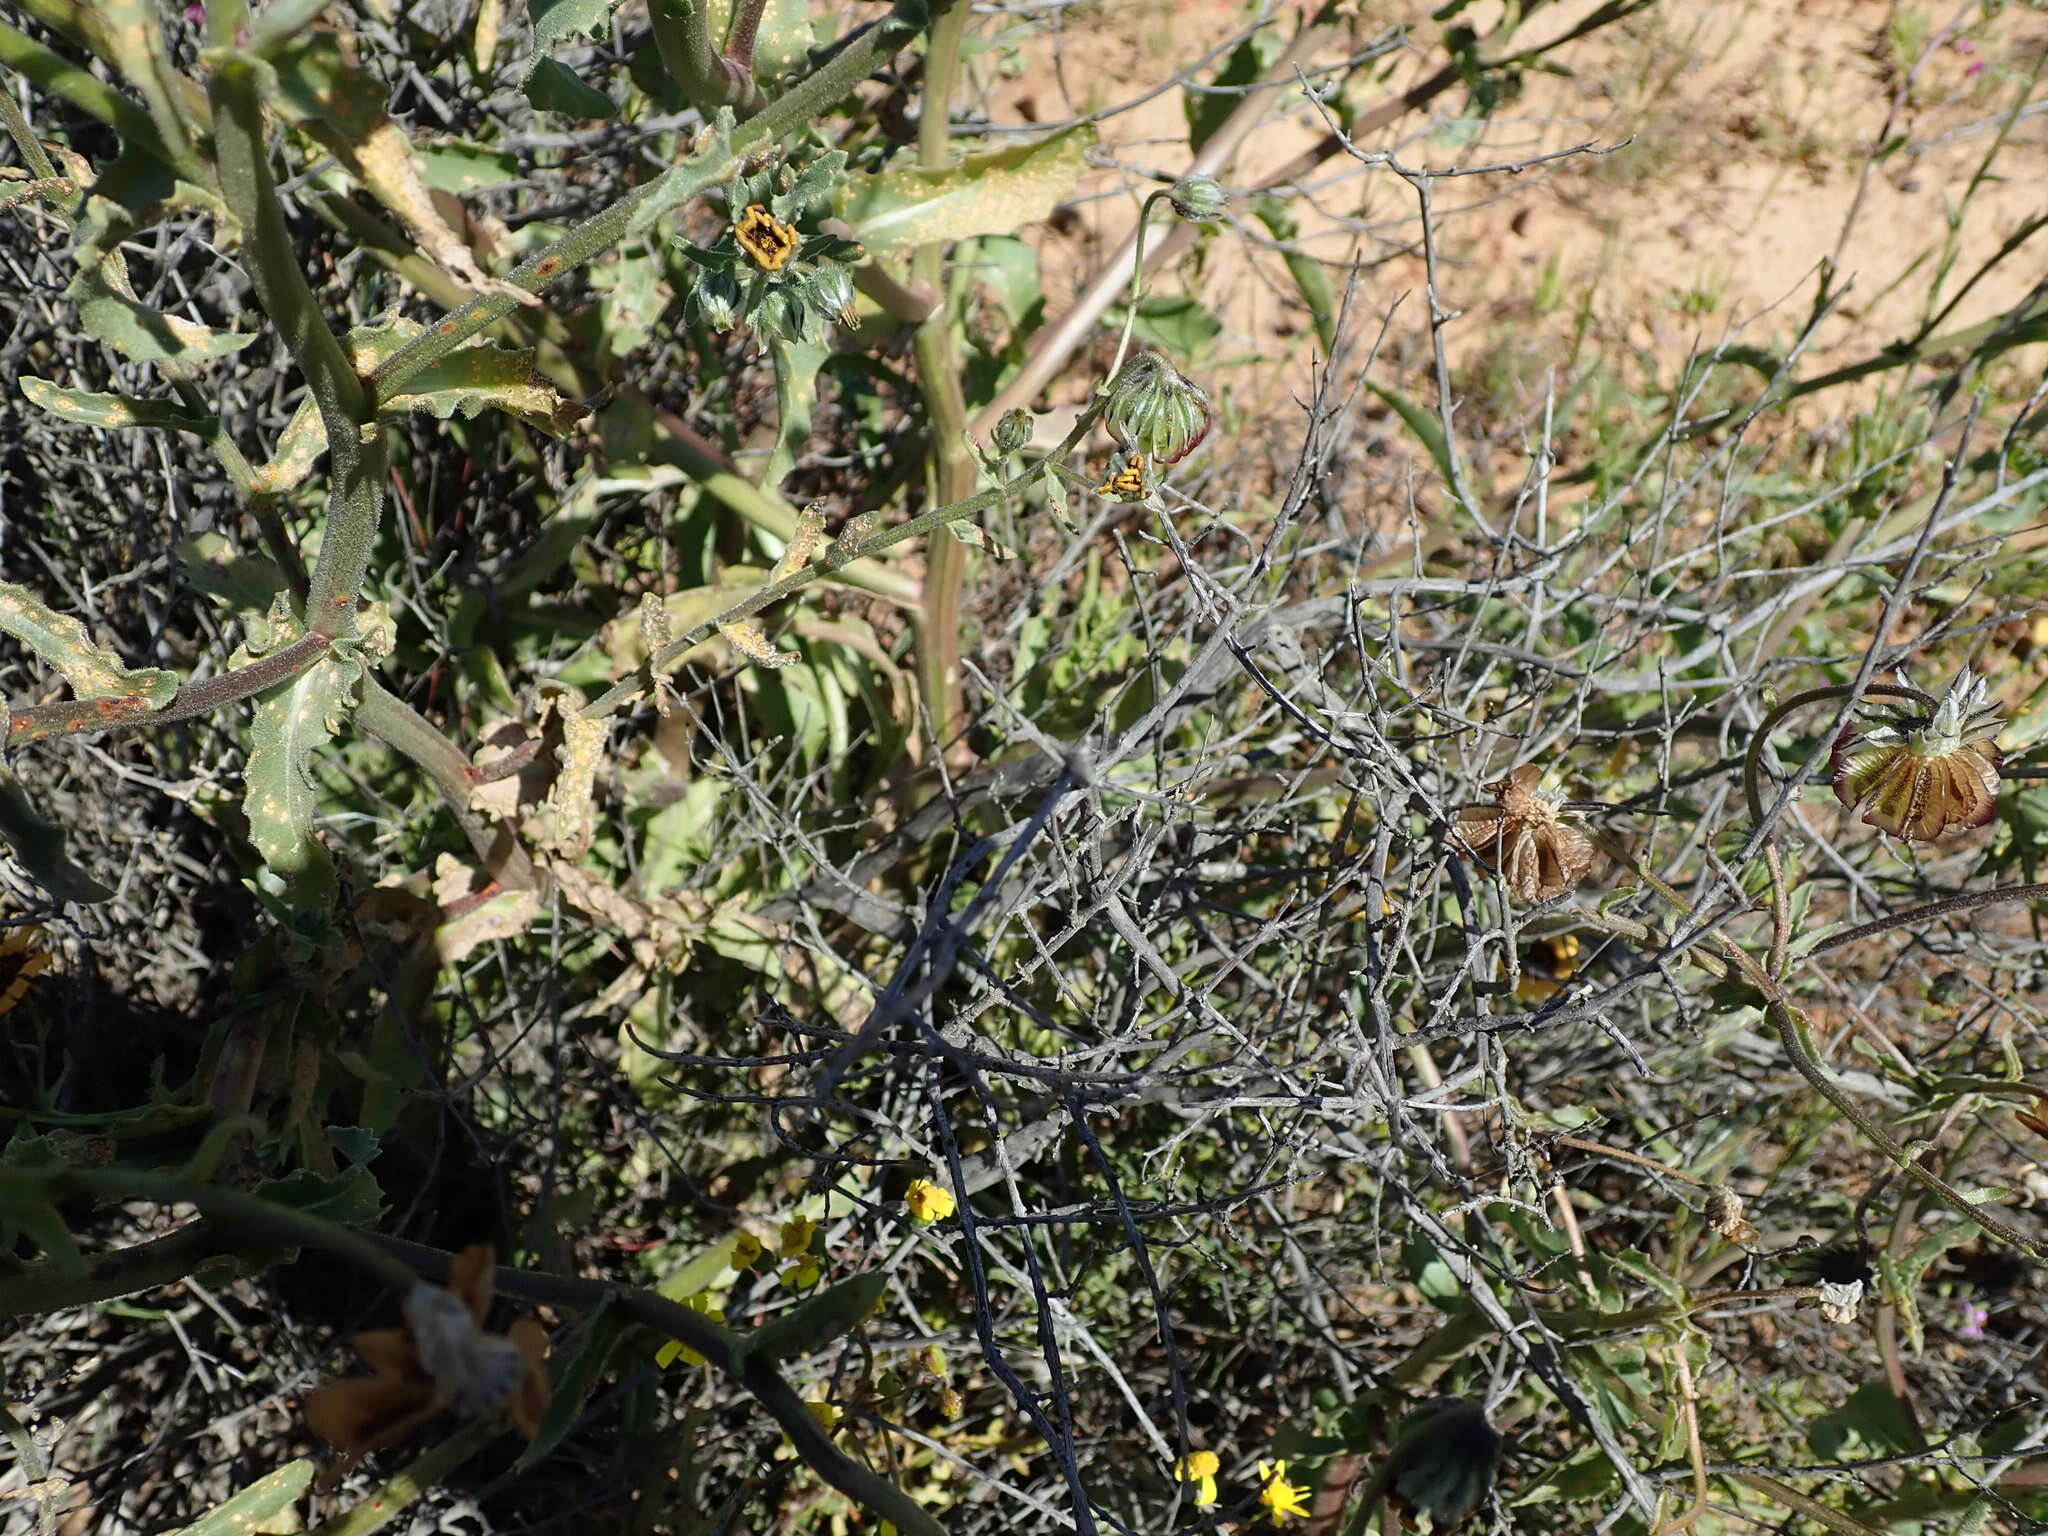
1013 431
1445 1461
1155 411
1199 198
830 289
716 299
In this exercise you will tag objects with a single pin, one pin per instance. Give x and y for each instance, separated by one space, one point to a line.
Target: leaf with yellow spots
994 194
86 409
293 721
61 641
803 543
270 1504
467 381
137 331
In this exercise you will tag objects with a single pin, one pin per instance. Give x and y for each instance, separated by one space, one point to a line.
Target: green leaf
111 411
993 194
1247 62
574 1380
556 21
62 643
1423 424
456 165
293 720
266 1505
785 39
819 1319
40 848
553 87
1311 279
1178 325
352 1198
143 334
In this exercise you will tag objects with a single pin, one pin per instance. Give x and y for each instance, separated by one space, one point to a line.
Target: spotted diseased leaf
752 644
556 21
293 721
270 1504
974 536
113 315
467 381
86 409
569 816
803 544
92 671
993 194
298 449
341 106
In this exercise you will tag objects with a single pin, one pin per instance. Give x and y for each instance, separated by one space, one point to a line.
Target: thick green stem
638 211
356 453
682 35
938 369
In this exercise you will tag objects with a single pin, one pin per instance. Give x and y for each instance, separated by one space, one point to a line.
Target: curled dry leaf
1523 838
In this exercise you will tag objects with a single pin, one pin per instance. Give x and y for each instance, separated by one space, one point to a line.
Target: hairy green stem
639 210
1912 917
355 446
938 370
76 717
682 35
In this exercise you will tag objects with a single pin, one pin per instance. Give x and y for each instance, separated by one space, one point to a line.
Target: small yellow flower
928 1203
673 1350
796 1236
765 238
1546 966
802 1275
1282 1499
745 1249
1200 1468
21 961
825 1413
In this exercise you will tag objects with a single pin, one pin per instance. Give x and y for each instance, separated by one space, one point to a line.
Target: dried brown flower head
1917 776
441 1359
1724 1215
1523 838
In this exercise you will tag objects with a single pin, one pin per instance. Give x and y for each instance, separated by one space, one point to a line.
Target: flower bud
1199 198
1155 411
830 289
1445 1461
715 299
1013 431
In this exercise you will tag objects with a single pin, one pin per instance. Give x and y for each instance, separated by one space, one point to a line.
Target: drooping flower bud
1156 411
1200 198
1445 1461
1013 431
715 299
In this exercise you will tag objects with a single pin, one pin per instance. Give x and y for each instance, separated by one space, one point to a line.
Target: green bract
1156 411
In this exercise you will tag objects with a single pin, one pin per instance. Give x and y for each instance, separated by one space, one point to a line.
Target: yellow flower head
825 1413
1282 1499
1126 478
796 1236
765 238
1547 965
745 1249
1199 1468
802 1275
928 1202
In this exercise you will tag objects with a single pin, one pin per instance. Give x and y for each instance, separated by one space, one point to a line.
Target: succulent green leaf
40 848
87 409
62 643
293 721
993 194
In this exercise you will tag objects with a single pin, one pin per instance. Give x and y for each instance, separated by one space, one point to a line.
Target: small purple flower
1974 1319
195 12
